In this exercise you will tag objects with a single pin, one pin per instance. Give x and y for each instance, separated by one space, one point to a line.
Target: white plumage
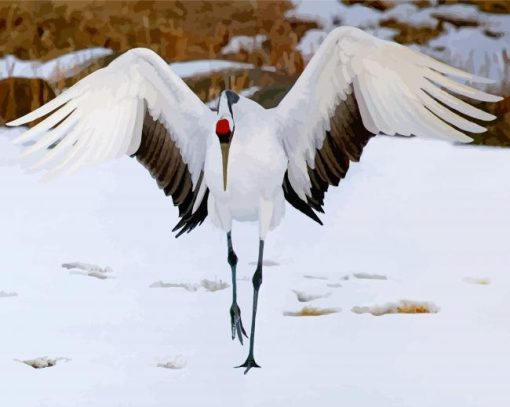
254 159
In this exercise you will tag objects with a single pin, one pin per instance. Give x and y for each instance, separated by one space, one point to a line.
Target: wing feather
135 106
355 87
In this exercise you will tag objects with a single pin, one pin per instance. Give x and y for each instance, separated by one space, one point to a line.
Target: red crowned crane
241 161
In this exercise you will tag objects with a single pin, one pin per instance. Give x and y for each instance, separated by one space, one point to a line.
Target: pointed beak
224 131
225 147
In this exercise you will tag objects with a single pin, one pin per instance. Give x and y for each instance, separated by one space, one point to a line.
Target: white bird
242 162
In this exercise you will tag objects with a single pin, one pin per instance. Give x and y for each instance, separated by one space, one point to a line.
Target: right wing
135 106
354 87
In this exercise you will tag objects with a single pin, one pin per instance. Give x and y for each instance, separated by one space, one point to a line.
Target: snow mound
206 66
401 307
175 363
42 362
89 270
88 267
208 285
64 66
305 297
239 42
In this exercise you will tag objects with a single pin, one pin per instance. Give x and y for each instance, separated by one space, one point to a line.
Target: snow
326 12
69 64
468 48
64 66
205 66
239 42
4 294
409 13
208 285
370 276
307 297
471 49
43 362
310 42
424 214
401 307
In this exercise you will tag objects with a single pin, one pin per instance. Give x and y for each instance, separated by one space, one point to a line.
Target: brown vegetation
174 29
402 307
19 96
311 312
180 30
409 34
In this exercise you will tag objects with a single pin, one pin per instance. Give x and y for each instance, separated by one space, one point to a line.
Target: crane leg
235 312
257 282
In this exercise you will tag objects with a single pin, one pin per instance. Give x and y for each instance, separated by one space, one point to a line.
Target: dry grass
402 307
311 312
183 31
409 34
489 6
19 96
174 29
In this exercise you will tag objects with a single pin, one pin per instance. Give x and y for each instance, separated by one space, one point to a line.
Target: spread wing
357 86
135 106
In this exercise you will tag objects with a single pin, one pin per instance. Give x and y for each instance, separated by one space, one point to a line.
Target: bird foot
250 362
237 323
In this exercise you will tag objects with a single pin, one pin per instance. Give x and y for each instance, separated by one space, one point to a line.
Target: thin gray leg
235 312
257 282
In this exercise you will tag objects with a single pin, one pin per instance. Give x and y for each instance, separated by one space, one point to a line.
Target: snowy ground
430 217
470 48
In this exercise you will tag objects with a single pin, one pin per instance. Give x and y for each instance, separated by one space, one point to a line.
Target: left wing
135 106
354 87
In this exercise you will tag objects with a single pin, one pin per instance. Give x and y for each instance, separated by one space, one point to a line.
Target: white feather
396 90
106 112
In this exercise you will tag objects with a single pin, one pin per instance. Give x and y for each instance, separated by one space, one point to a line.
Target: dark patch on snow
43 362
401 307
4 294
266 263
367 276
90 270
311 312
305 297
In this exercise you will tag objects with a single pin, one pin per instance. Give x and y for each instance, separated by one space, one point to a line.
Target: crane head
225 127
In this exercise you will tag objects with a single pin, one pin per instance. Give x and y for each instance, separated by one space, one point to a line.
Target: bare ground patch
401 307
311 312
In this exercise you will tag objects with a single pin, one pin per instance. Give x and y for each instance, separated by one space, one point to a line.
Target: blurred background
257 48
